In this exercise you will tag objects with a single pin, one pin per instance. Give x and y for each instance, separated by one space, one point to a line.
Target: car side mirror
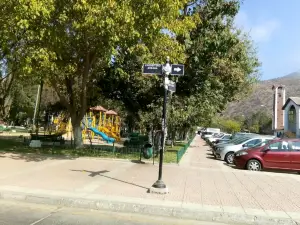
244 145
266 150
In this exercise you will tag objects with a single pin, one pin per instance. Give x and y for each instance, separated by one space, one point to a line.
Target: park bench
54 138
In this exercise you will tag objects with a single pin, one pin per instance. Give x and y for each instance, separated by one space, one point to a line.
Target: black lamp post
166 71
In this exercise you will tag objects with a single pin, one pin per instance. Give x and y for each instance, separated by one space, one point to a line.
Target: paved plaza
199 182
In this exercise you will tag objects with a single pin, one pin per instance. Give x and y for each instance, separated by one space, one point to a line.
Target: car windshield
235 139
232 141
226 137
241 140
262 143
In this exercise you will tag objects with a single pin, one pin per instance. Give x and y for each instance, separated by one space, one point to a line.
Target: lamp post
159 184
163 70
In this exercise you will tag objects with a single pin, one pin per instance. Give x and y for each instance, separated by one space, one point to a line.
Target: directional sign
177 69
172 86
152 69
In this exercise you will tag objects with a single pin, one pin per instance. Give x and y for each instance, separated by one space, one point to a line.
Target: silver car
213 139
226 152
230 142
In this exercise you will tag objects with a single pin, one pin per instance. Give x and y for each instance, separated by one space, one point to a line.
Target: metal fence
182 151
113 151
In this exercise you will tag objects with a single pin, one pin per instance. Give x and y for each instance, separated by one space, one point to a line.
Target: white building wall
275 110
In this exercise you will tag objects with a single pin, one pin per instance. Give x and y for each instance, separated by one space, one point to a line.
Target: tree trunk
150 134
77 133
173 137
185 135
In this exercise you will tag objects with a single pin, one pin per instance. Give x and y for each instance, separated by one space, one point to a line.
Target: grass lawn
178 145
16 145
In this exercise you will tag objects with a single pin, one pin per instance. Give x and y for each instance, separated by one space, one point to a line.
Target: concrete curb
143 206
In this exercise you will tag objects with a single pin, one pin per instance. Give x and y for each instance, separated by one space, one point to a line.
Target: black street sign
177 69
152 69
172 86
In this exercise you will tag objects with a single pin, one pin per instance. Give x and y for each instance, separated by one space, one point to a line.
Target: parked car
219 146
208 135
213 130
231 141
226 152
200 131
215 135
214 138
225 138
277 154
241 134
235 137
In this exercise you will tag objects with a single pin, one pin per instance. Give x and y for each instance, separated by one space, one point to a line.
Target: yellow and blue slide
102 135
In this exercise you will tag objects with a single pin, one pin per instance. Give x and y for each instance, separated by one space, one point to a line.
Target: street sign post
172 86
152 69
164 70
177 69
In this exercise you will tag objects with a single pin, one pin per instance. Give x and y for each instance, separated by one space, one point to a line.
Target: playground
101 136
99 127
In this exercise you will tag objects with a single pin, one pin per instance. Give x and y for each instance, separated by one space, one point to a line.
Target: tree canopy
91 52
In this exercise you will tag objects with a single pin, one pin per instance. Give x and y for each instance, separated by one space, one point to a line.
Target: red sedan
276 154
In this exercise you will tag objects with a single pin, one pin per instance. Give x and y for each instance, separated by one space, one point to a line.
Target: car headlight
241 153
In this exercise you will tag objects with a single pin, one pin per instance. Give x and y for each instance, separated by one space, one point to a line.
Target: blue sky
274 25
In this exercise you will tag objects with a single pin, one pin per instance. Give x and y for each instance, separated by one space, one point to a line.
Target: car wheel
229 157
254 165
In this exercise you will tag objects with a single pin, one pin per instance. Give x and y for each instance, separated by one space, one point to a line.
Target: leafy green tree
222 64
259 122
70 44
230 126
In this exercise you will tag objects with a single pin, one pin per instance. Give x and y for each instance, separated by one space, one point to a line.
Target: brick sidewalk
199 180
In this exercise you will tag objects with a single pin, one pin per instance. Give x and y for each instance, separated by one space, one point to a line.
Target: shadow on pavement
32 157
137 162
281 171
210 156
92 173
101 173
231 166
266 170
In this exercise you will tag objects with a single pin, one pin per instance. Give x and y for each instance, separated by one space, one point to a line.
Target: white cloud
260 31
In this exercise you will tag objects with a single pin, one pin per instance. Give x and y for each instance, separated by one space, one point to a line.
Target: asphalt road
16 213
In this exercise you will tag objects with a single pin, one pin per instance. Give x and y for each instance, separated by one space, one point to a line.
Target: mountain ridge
261 99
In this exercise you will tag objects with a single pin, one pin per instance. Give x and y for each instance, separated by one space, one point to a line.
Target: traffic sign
177 69
152 69
172 86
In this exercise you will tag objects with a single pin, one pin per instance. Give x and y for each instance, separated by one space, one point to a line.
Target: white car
209 135
226 152
213 139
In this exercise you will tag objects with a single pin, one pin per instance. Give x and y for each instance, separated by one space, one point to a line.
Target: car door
277 155
295 155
